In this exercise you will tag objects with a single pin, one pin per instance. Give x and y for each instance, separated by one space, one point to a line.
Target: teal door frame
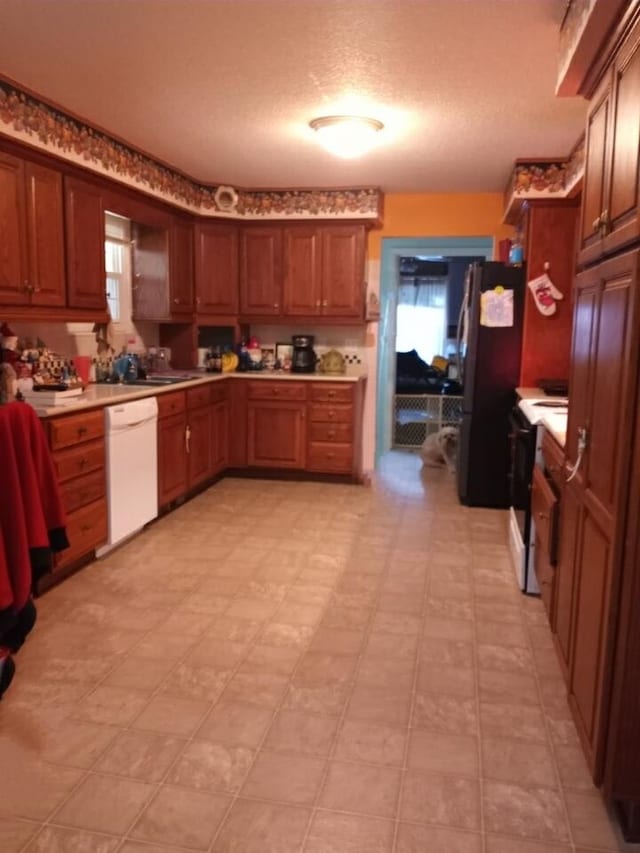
394 248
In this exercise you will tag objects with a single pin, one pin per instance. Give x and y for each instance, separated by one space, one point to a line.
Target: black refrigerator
490 363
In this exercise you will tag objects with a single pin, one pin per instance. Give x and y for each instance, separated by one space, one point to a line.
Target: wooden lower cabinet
544 512
220 437
78 452
199 442
172 458
276 434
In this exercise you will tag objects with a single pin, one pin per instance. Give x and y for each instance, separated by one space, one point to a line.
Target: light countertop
104 394
553 419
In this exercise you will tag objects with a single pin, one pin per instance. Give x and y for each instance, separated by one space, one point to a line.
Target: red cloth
30 504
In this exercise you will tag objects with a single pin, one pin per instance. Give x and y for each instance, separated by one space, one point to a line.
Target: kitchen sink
160 381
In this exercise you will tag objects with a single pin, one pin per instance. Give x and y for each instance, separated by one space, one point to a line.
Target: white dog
440 448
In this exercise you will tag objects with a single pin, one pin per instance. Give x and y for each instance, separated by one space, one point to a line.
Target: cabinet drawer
198 397
266 390
63 432
171 404
544 505
86 531
553 456
82 490
328 413
82 459
330 457
219 391
331 432
324 392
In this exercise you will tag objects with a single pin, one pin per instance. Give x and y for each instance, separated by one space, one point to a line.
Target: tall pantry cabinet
597 601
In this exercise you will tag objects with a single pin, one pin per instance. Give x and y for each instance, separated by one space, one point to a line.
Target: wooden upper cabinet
45 229
216 268
610 218
85 239
622 225
181 266
31 234
13 233
343 252
150 283
261 271
303 271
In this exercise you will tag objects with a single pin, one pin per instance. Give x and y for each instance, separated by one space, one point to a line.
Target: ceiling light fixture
347 136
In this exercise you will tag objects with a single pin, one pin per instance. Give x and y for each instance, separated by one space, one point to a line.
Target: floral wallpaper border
533 180
29 119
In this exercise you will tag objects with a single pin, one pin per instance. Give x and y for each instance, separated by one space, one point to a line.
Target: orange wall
441 215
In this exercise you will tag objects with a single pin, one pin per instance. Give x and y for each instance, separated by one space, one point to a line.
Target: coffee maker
303 358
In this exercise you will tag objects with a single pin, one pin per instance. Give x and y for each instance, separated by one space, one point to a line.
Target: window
422 317
117 253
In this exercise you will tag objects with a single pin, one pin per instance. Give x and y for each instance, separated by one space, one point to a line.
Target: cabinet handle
197 300
604 222
82 430
332 414
82 462
542 515
187 439
332 394
275 305
176 301
85 528
325 302
597 222
331 433
318 303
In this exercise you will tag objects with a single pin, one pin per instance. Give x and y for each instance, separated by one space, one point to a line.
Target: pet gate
415 416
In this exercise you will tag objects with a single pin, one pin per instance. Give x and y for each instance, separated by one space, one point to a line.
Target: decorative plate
226 198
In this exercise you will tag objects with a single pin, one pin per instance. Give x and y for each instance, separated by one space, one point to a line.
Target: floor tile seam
32 839
414 684
158 785
550 741
343 713
276 710
476 689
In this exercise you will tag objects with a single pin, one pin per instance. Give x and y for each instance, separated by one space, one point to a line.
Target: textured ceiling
224 89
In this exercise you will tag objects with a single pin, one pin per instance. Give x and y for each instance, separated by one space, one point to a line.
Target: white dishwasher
131 433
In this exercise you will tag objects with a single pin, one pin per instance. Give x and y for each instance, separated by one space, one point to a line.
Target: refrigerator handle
463 325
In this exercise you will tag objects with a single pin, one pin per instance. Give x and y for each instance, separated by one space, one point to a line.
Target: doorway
393 252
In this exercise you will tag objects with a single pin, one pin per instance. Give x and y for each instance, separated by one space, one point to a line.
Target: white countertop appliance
525 434
132 468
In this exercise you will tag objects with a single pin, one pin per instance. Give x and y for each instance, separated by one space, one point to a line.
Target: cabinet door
216 269
172 458
199 445
622 224
85 238
343 271
303 271
276 434
595 172
13 234
45 226
261 271
150 259
220 437
181 266
604 358
544 506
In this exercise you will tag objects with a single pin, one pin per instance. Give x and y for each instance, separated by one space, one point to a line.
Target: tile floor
284 667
